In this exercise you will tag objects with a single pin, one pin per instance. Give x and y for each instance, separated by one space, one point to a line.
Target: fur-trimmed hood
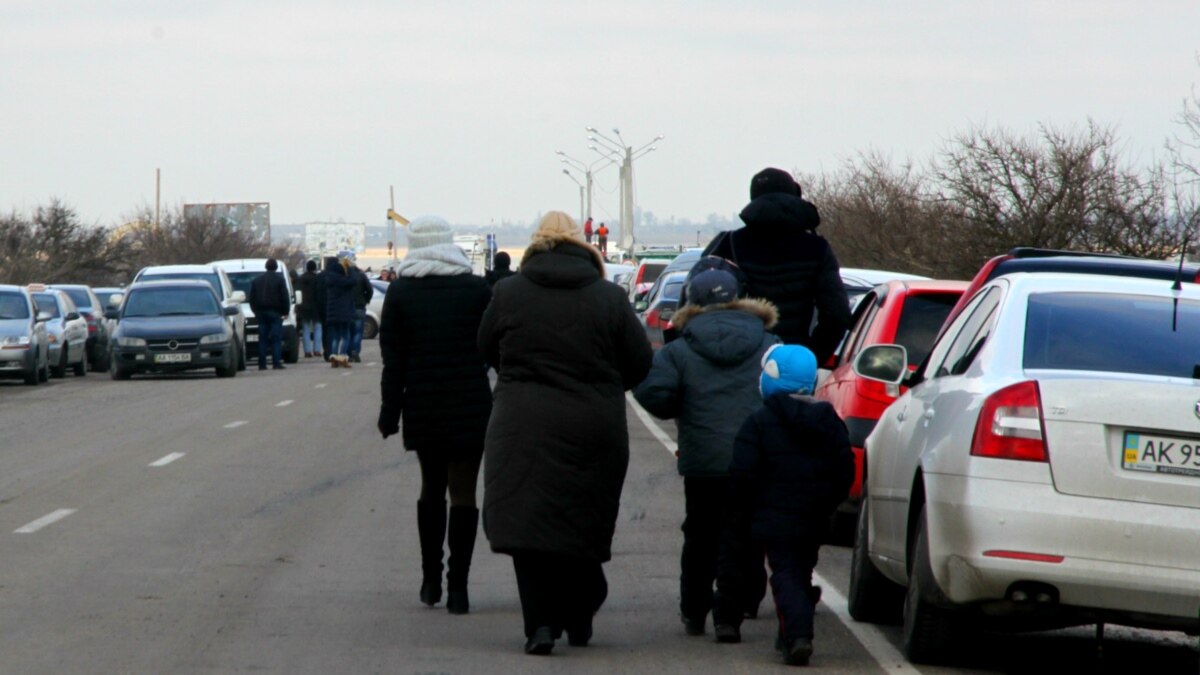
546 241
759 307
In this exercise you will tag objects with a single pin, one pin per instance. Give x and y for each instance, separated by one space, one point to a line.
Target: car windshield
80 297
241 280
46 302
920 321
170 302
13 306
211 277
105 296
1112 333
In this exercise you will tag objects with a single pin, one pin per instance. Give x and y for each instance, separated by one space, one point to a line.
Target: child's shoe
727 633
798 652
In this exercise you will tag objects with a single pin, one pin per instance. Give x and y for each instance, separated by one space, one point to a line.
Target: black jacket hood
779 210
804 412
567 265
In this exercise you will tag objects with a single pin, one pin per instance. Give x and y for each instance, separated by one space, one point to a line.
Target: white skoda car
1043 470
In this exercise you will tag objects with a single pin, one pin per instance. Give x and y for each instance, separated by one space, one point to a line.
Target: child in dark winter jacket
792 466
706 381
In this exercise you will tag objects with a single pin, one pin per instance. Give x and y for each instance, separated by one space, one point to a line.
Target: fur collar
544 242
759 307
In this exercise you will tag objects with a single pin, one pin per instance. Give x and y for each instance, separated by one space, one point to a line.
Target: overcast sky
319 107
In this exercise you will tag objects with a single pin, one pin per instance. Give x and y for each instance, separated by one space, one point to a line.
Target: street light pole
576 181
627 154
588 170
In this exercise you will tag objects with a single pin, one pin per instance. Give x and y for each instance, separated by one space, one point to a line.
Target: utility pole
588 171
618 149
157 195
392 225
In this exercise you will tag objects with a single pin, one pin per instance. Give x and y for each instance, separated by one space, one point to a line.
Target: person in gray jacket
707 381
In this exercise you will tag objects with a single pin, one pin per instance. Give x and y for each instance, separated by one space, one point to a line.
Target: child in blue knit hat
792 466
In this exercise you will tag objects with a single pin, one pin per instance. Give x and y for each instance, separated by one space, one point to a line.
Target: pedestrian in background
363 293
307 312
792 466
587 230
270 303
434 376
500 268
566 346
708 383
339 307
785 261
602 239
321 296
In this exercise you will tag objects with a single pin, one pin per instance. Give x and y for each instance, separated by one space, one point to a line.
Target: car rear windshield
1113 333
80 297
105 296
651 271
241 280
212 278
170 302
46 302
13 306
920 320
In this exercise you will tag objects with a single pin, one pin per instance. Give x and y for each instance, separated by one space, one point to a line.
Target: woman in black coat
434 375
566 345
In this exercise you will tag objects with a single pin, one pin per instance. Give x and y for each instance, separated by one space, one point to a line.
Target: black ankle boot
464 523
431 528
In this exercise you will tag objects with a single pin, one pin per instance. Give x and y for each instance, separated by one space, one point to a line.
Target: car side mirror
238 297
112 312
71 316
882 363
231 311
42 317
641 306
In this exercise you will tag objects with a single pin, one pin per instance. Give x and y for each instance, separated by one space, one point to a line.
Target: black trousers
558 591
792 566
458 476
741 575
706 498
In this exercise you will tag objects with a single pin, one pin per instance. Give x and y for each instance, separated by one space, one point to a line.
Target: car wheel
930 632
370 329
872 597
81 367
119 373
60 370
229 370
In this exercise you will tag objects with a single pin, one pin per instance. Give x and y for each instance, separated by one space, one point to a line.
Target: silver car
66 331
24 348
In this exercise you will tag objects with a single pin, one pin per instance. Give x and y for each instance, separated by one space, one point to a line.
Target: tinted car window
652 271
970 339
46 302
170 302
104 296
671 290
920 319
241 280
1112 333
80 297
13 306
212 278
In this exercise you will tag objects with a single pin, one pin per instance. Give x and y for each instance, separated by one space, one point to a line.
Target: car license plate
172 358
1161 454
251 337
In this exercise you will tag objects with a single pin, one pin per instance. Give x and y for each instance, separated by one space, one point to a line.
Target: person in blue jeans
363 292
307 312
792 466
339 307
269 302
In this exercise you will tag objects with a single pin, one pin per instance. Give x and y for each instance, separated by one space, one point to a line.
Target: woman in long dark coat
434 375
566 345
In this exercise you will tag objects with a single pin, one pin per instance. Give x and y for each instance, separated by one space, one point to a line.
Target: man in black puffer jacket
786 262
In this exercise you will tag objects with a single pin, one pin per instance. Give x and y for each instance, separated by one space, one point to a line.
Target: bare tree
53 246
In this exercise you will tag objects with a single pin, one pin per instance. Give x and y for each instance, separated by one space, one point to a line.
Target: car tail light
654 319
91 321
1010 425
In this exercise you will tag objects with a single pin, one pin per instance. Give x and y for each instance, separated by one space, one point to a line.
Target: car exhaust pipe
1032 592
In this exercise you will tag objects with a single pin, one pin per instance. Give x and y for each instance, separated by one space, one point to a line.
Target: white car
1043 470
242 272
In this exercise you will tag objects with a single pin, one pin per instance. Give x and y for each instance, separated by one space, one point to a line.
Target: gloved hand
389 422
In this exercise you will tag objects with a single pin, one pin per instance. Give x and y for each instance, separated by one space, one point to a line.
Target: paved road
191 525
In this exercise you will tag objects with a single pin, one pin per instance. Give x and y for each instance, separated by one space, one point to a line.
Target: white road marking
44 521
373 363
234 425
284 404
872 639
346 374
168 459
662 436
320 386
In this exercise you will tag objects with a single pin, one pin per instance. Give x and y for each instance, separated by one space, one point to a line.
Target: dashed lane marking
373 363
168 459
347 374
872 639
284 404
44 521
234 425
320 386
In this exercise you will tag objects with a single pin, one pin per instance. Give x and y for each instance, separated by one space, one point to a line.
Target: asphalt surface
187 524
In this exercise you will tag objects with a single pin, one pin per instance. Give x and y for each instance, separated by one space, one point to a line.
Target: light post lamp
576 181
607 147
588 170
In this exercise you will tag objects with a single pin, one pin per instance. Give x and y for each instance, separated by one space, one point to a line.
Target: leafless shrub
53 246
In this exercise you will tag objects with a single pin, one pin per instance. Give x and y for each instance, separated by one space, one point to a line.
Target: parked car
1041 470
221 285
242 272
88 304
66 330
659 306
172 326
644 276
24 347
109 296
908 313
859 281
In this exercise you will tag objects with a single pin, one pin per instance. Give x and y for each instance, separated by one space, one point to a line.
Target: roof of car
66 286
161 283
12 287
166 269
873 277
253 264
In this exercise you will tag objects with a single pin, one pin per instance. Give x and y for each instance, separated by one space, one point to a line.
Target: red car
904 312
